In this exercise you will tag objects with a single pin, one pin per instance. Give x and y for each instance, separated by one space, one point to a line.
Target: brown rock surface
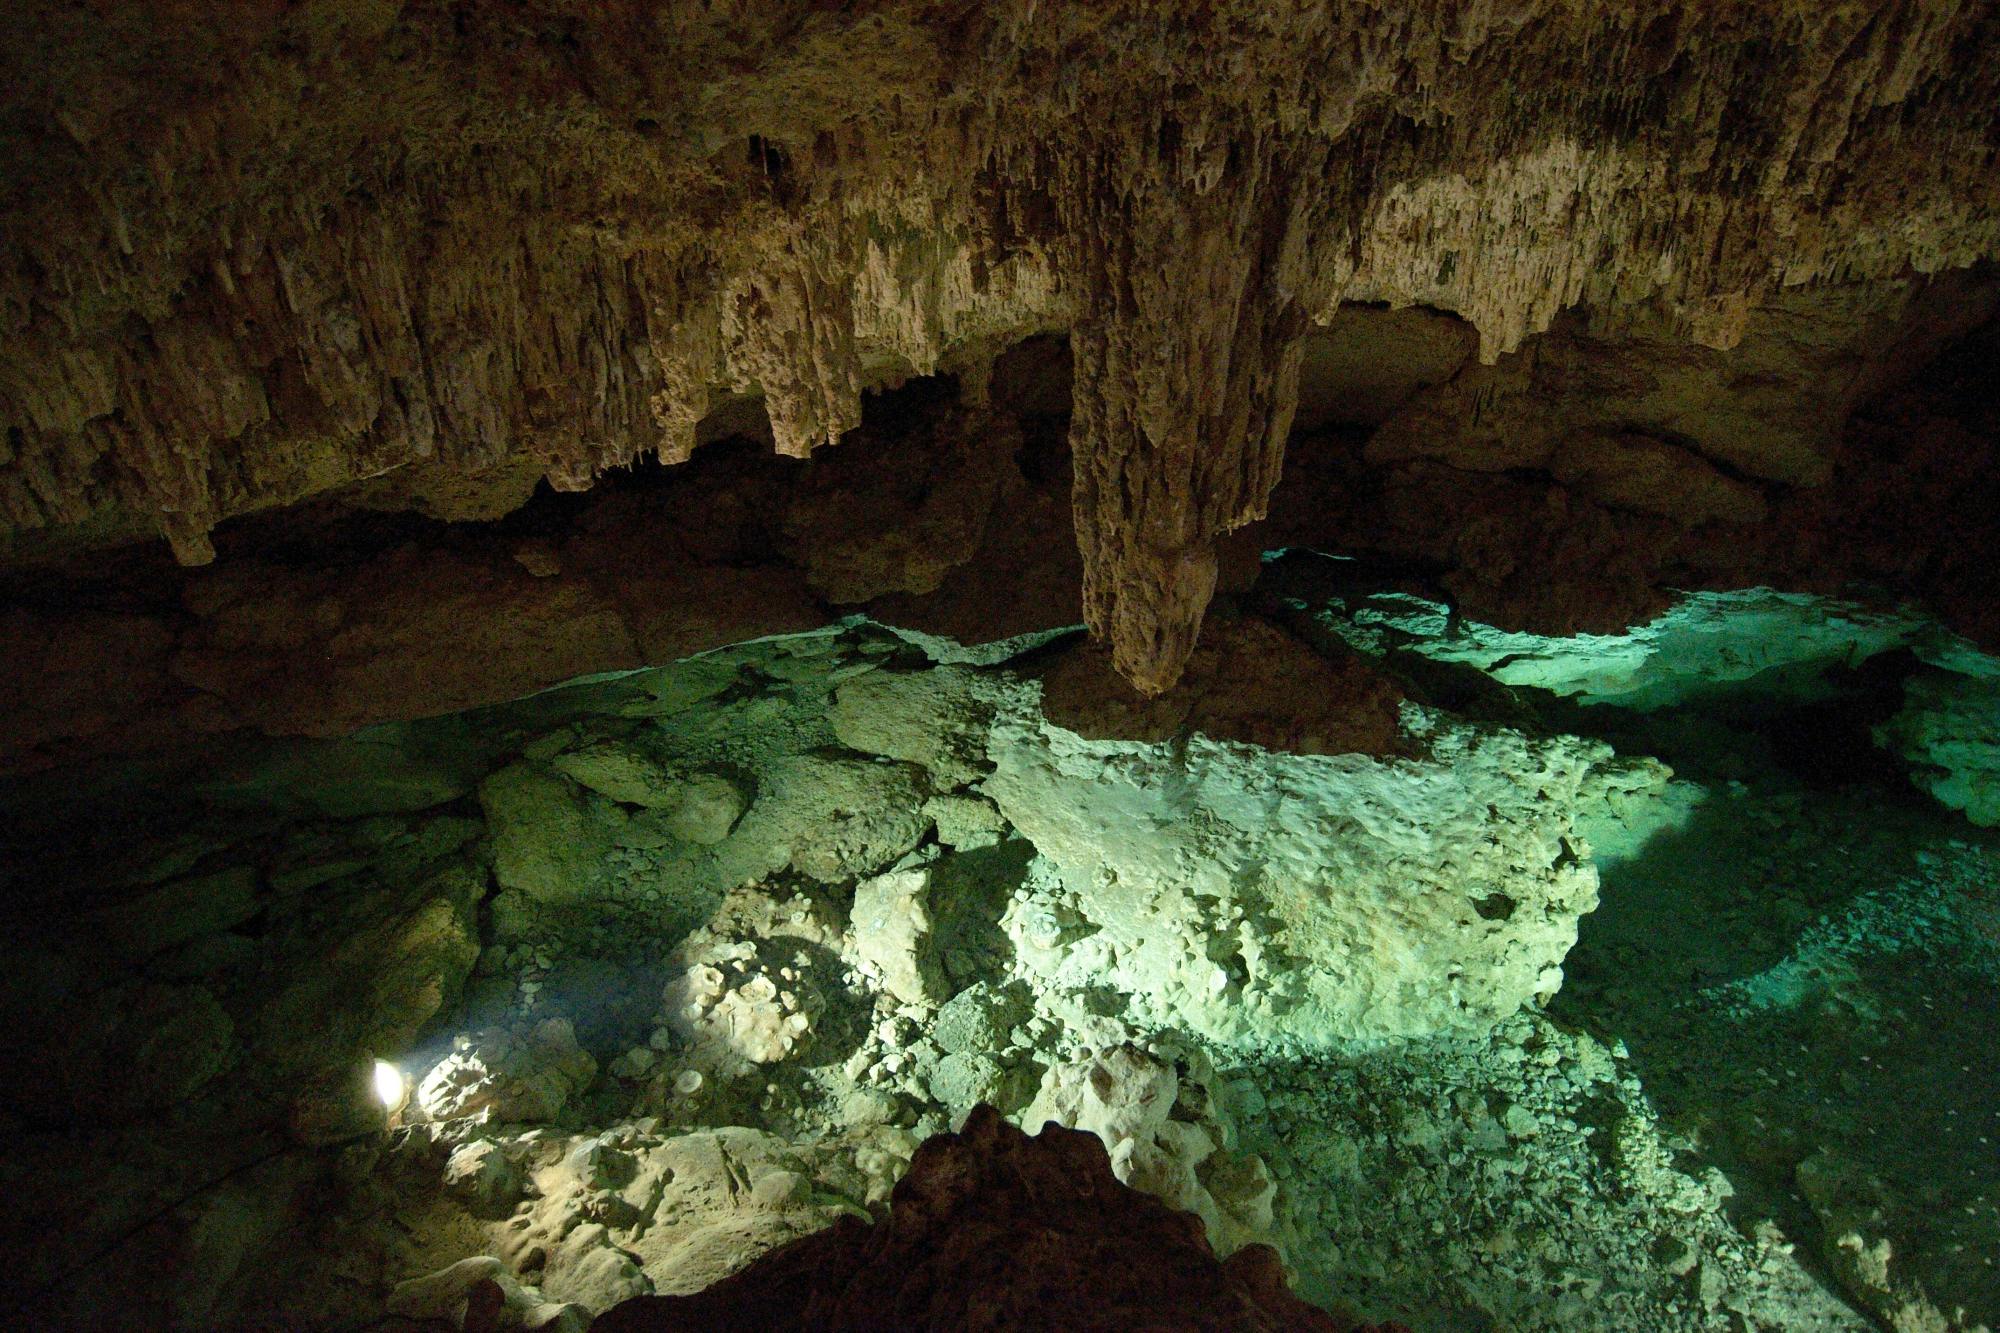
255 253
992 1229
955 519
342 621
1248 681
1847 443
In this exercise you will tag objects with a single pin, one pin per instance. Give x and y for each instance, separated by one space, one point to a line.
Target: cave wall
254 256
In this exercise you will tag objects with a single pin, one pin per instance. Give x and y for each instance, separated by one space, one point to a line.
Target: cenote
1286 666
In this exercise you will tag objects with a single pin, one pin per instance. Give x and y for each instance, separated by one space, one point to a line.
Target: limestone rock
398 958
992 1228
1249 681
664 566
892 928
1946 732
930 718
179 911
859 539
1703 645
977 1020
698 807
1347 908
966 823
849 818
376 771
180 349
1638 472
634 1209
587 1270
549 842
441 1295
479 1295
621 772
1366 362
739 1017
963 1080
508 1078
1849 1207
748 989
337 1106
145 1047
706 809
1136 1105
480 1176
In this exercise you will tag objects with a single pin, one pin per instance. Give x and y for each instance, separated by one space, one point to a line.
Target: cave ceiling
421 256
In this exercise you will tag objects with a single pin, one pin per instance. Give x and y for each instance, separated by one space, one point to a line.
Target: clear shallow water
1763 1096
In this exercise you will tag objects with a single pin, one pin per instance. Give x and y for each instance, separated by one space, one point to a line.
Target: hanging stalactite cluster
256 258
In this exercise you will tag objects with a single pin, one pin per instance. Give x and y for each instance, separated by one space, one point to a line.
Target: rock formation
994 1229
1388 605
419 254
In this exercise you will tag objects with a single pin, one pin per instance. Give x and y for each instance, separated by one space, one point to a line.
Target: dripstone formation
929 663
420 255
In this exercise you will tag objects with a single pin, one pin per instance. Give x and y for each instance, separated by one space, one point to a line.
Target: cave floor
1785 997
682 963
1804 976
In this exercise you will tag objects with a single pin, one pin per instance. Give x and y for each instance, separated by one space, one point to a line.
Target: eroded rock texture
994 1229
422 254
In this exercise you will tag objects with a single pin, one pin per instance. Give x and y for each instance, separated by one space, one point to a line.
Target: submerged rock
479 1174
180 910
1166 1138
848 817
1190 947
509 1078
994 1229
1708 644
892 933
621 771
549 841
693 807
1949 731
932 718
479 1295
1263 898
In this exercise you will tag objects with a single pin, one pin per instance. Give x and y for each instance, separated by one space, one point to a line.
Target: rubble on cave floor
681 964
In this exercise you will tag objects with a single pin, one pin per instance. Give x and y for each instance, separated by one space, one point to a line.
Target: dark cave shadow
970 893
1874 1056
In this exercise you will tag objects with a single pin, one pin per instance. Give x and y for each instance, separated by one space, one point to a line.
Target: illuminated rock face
1309 900
679 965
1947 733
422 257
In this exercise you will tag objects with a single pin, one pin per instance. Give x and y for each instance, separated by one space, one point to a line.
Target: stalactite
229 303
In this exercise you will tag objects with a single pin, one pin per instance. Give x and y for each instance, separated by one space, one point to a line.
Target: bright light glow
388 1084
